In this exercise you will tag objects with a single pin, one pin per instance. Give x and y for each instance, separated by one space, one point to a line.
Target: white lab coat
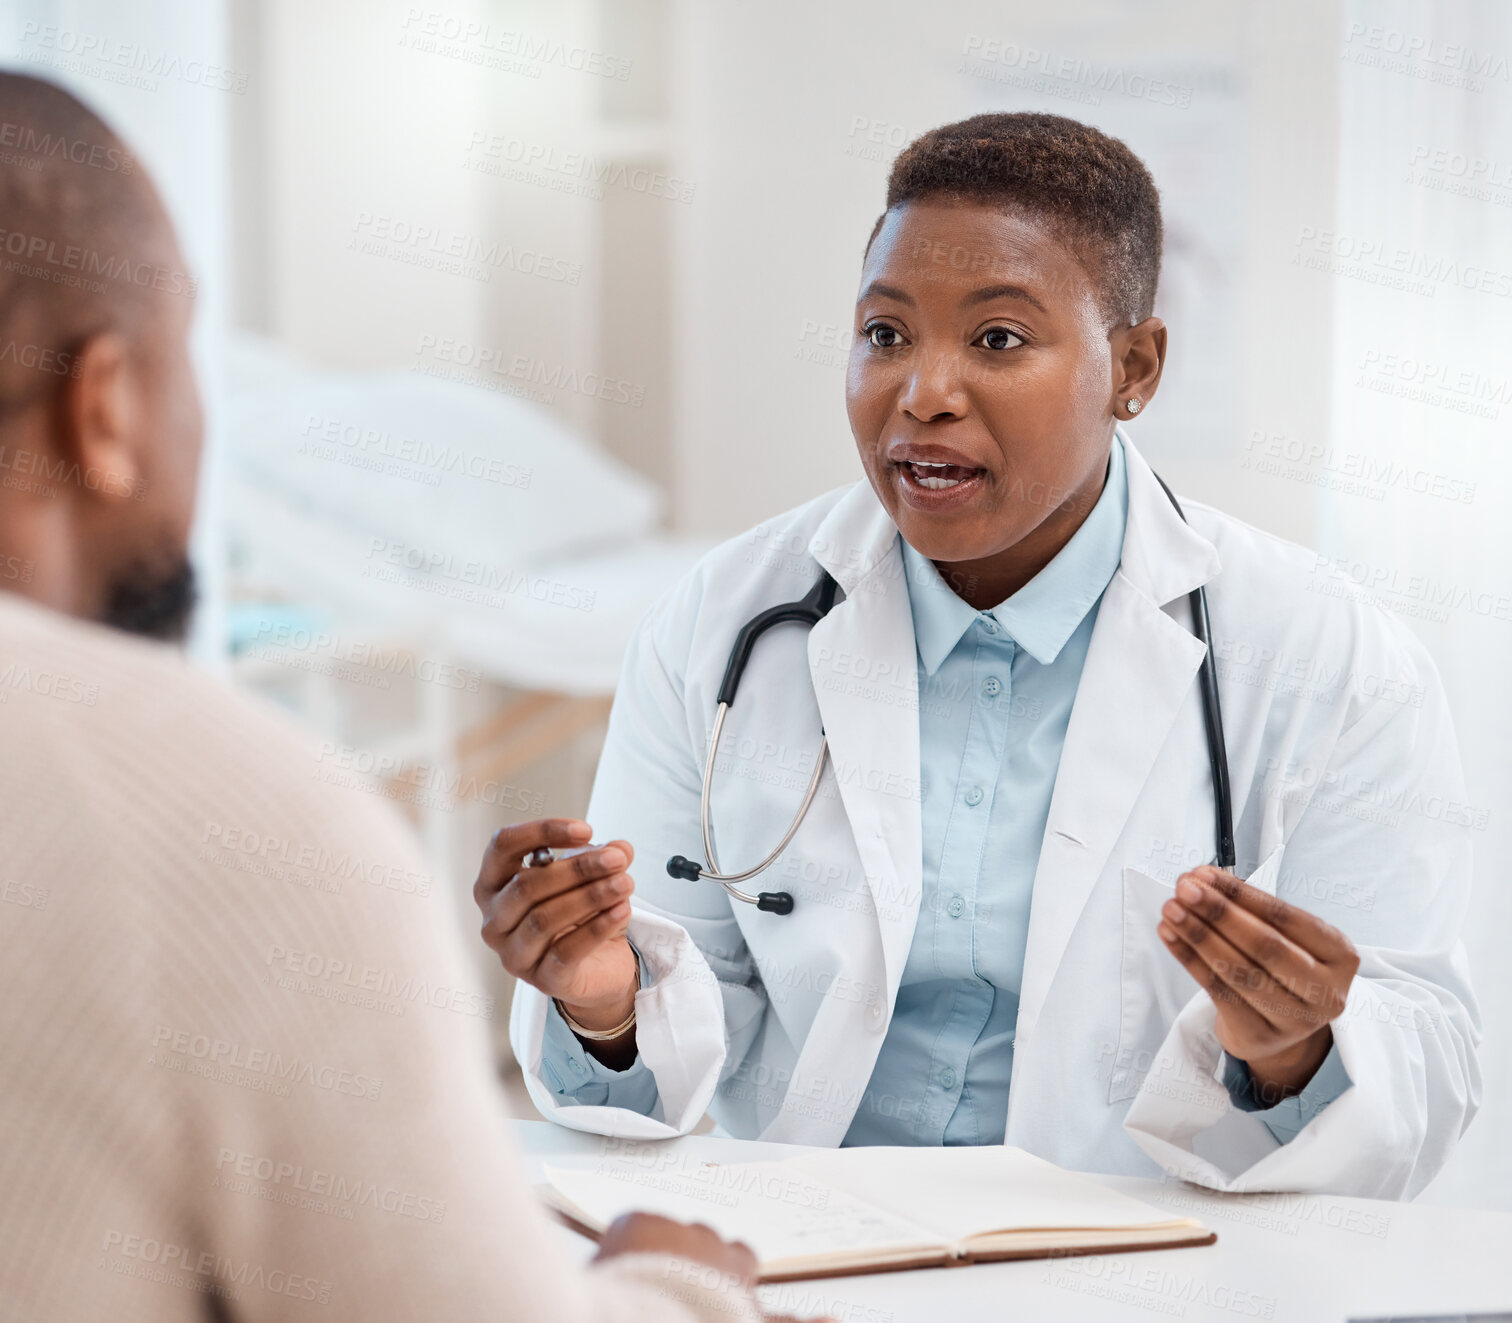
1348 801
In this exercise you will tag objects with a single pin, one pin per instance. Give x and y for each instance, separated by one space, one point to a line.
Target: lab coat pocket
1153 985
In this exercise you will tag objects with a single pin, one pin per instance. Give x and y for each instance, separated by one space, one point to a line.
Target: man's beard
153 602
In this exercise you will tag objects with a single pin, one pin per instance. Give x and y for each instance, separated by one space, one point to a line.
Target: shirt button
947 1078
957 907
991 687
974 796
989 624
577 1067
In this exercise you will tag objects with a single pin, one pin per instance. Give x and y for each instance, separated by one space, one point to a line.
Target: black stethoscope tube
810 610
1212 712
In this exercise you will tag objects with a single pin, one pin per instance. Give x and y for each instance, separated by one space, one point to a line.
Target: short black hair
1087 186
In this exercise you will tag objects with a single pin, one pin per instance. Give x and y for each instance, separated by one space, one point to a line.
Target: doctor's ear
1138 354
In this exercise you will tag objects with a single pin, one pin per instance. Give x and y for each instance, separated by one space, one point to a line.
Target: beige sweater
243 1068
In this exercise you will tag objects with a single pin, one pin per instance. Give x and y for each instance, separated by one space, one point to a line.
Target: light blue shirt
995 695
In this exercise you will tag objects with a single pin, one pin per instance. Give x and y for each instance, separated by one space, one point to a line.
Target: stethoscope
810 610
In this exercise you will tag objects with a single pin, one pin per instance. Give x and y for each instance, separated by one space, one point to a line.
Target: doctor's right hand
561 927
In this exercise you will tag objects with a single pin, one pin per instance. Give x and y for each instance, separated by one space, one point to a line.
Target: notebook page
964 1192
780 1213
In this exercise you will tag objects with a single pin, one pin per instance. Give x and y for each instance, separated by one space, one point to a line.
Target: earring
1134 406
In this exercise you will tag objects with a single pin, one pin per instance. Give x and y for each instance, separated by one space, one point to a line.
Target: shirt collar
1045 612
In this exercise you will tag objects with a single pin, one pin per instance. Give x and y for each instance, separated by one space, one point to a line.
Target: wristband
600 1035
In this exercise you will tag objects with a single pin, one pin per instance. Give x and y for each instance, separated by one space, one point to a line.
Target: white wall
367 142
1420 270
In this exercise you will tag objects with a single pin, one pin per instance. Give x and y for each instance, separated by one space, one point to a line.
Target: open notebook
858 1210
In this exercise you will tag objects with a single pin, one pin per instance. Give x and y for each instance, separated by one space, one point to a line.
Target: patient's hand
649 1233
561 927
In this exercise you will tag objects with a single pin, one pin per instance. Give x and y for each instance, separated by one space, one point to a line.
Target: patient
190 1132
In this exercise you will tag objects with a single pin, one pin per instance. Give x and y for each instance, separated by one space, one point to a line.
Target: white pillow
432 468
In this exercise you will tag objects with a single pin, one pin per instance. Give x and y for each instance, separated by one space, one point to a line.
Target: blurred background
509 309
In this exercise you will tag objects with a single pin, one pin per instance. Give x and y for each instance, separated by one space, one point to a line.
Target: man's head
1004 322
100 422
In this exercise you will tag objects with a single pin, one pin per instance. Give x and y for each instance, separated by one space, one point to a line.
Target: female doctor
1005 923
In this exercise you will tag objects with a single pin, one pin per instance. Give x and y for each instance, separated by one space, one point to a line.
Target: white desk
1290 1258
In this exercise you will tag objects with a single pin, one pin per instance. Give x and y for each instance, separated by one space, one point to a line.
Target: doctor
1006 923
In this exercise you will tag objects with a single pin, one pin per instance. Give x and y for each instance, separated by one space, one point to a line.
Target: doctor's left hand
1277 974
